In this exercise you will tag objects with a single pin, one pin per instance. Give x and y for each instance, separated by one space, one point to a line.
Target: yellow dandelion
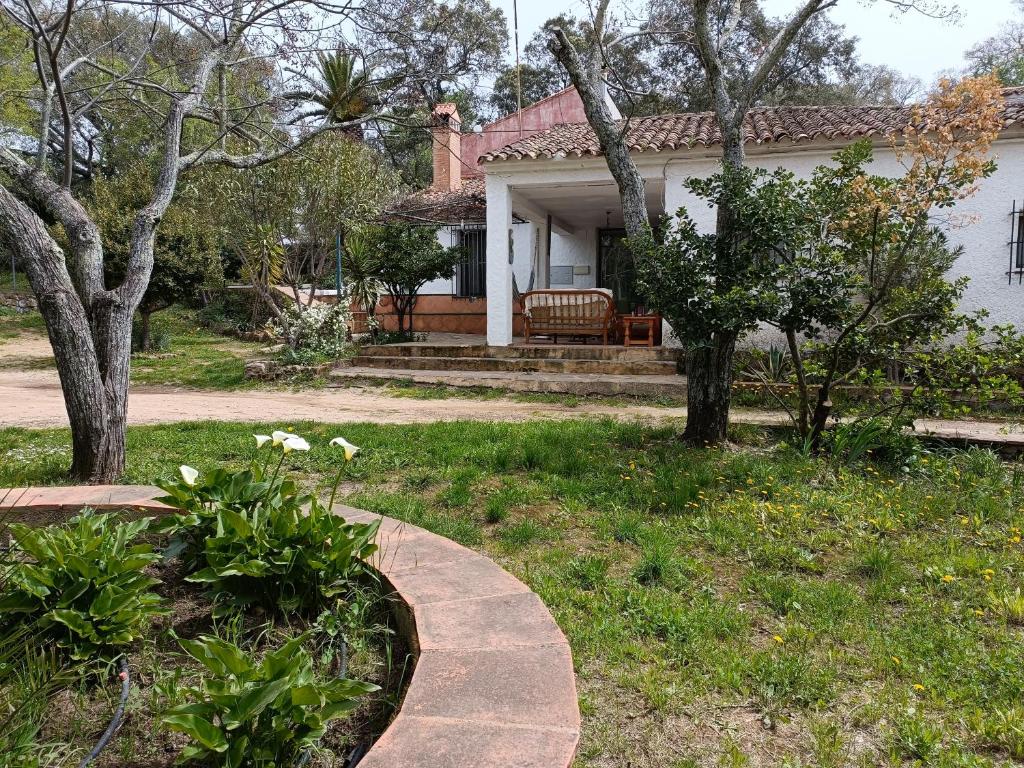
948 578
918 687
778 639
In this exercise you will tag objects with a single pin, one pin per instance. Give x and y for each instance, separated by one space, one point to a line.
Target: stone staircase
570 369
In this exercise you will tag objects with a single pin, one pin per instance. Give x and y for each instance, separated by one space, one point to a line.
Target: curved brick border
493 685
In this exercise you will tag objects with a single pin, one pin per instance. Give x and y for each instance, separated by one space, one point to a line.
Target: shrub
257 713
877 438
316 332
82 583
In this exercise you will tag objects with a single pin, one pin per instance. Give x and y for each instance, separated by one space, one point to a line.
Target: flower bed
232 624
493 684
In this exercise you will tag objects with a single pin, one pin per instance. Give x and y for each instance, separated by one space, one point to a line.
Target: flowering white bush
319 330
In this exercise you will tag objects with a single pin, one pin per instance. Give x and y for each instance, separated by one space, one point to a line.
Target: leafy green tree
405 258
877 232
190 87
302 205
847 259
715 287
444 46
651 73
186 250
736 78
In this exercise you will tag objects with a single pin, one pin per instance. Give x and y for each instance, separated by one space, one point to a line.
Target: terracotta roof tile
763 125
437 206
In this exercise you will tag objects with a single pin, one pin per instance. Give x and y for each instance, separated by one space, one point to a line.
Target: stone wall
21 302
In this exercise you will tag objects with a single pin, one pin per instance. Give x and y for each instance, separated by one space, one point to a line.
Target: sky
910 43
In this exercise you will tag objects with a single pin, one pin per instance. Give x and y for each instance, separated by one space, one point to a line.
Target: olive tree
714 33
205 83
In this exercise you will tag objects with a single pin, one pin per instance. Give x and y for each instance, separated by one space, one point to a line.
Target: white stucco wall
522 234
981 224
576 250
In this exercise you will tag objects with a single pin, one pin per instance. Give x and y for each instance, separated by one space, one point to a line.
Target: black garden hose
115 721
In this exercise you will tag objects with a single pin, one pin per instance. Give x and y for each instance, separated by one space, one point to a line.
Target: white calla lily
279 437
350 450
295 443
188 474
262 440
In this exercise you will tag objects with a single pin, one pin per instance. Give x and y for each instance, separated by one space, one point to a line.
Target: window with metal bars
1016 245
471 272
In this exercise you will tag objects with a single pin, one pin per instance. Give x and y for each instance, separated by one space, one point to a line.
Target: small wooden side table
636 322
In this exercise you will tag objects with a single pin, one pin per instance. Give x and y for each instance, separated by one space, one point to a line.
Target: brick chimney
446 146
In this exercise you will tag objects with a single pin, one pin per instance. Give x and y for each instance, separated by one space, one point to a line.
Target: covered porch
576 224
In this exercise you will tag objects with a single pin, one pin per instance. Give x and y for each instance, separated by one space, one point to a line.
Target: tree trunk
709 373
91 345
801 384
587 79
144 336
822 412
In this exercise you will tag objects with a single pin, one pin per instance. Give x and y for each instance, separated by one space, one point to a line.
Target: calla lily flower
262 440
279 437
295 443
350 450
188 474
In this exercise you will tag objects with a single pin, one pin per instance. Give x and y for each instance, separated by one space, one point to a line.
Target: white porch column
499 271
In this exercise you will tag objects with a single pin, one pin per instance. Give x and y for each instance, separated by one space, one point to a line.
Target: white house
543 211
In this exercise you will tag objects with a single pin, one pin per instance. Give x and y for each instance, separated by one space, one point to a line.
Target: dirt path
32 398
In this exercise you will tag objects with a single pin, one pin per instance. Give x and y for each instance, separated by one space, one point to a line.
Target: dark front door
615 269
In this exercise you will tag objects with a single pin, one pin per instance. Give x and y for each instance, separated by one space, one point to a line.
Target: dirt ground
30 396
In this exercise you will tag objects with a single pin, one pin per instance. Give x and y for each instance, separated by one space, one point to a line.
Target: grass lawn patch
193 356
188 354
14 323
743 606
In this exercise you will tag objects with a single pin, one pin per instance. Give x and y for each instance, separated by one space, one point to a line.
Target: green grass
747 606
13 323
191 356
194 357
441 392
20 284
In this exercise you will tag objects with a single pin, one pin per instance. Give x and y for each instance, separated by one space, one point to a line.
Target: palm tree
344 92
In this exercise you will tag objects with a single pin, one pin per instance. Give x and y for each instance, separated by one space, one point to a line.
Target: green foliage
248 712
725 282
83 584
16 78
402 258
187 247
1001 54
345 92
317 332
251 538
876 438
849 544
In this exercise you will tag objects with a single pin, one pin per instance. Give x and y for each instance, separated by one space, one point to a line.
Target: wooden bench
554 313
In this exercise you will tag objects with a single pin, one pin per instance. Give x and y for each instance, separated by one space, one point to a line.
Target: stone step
520 365
533 352
561 383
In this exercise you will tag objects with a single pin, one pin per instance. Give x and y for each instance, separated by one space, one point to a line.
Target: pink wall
562 107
